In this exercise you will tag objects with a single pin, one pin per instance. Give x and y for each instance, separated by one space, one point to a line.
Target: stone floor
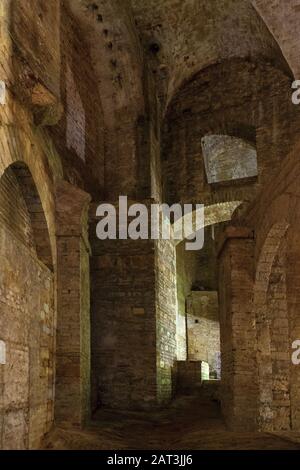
189 423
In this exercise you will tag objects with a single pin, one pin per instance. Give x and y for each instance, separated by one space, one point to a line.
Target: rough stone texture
27 325
227 106
275 221
192 422
238 340
203 330
113 97
123 322
228 158
73 307
282 19
166 302
133 321
195 271
188 376
195 34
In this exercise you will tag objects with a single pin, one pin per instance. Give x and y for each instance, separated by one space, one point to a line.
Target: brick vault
164 102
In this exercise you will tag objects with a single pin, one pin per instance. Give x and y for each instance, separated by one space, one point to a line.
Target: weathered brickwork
27 326
105 98
165 288
203 330
73 306
195 271
123 322
275 296
238 339
188 376
231 109
282 20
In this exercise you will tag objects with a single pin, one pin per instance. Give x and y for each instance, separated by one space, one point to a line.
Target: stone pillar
237 325
165 306
72 404
133 320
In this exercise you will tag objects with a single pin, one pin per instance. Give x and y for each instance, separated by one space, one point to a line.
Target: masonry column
237 325
133 320
72 403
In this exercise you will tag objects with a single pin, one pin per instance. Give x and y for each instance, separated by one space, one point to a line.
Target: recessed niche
228 158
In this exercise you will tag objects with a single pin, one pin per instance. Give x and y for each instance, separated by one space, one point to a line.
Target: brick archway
269 310
27 312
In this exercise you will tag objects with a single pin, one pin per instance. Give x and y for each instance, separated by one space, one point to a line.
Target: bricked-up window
228 158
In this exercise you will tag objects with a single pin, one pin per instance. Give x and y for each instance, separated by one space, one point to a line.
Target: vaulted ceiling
181 37
184 36
283 20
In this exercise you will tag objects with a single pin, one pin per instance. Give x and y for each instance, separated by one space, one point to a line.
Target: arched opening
27 316
198 320
272 324
198 327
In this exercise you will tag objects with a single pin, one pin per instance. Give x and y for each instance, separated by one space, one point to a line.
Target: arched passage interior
27 319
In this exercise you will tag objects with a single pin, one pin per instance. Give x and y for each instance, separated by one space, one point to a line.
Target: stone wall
279 342
123 322
27 326
228 158
194 271
186 273
133 301
238 336
269 306
238 98
35 31
189 375
203 330
276 224
73 355
166 308
80 134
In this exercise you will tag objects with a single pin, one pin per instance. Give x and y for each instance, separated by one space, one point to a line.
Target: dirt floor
190 423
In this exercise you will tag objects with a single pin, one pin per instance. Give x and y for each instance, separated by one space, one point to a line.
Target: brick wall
274 216
203 330
133 308
166 308
238 337
123 322
194 271
236 98
27 326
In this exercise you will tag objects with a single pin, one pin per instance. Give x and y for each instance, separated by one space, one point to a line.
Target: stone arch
27 312
213 214
188 120
20 146
269 282
188 289
35 233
